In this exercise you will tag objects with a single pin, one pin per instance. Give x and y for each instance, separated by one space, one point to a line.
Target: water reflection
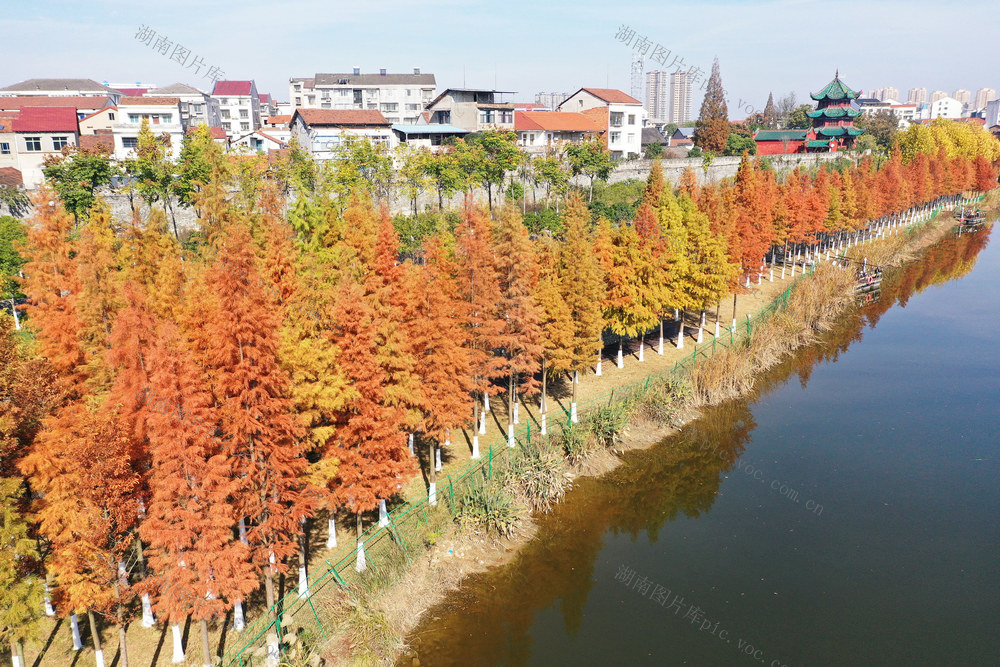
493 618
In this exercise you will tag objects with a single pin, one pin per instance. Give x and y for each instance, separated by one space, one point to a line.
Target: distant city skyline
570 44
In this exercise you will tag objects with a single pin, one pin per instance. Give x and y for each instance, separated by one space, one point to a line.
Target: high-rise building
984 95
657 101
877 93
680 97
938 95
917 96
962 95
551 100
890 93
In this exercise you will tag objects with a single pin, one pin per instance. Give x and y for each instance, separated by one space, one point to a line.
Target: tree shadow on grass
159 646
48 643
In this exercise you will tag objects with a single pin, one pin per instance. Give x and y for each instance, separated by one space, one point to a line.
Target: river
846 513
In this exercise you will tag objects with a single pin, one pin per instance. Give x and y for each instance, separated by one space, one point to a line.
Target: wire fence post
489 468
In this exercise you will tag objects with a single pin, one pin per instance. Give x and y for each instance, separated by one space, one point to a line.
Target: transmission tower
637 63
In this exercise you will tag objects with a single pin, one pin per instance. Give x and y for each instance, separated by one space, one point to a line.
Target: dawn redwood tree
753 217
709 271
630 306
712 128
255 411
517 273
479 287
582 285
198 568
558 328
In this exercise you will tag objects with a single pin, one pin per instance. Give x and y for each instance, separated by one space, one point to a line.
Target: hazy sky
528 47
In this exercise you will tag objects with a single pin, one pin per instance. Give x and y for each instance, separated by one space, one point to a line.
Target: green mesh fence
403 537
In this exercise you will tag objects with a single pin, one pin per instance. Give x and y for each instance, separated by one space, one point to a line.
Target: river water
847 513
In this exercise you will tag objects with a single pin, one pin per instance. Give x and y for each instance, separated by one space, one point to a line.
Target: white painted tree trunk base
303 583
239 621
642 350
437 459
716 328
572 413
659 348
517 413
544 424
74 625
772 275
700 335
482 423
383 514
331 537
475 446
782 272
273 654
597 372
677 315
99 658
410 439
49 611
486 402
432 494
178 645
680 337
148 620
621 360
360 564
732 329
510 435
14 659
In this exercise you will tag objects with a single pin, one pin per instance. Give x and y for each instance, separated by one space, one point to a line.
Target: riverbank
811 308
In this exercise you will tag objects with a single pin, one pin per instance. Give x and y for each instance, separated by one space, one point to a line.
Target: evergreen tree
712 128
770 113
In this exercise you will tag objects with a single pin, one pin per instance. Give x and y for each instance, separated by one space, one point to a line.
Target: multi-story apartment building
399 97
946 107
539 131
239 106
550 100
890 93
681 84
657 102
163 115
197 108
30 135
984 95
619 114
323 132
917 96
963 96
472 109
61 87
938 95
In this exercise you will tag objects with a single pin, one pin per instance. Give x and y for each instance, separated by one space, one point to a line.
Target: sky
517 45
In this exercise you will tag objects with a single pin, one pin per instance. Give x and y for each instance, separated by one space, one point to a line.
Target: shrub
488 505
607 423
658 403
538 472
577 442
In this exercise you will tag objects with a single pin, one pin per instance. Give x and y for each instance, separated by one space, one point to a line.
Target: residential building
400 97
323 131
618 113
906 113
163 115
197 107
651 135
239 106
946 107
889 93
984 95
539 131
84 106
266 105
427 136
870 105
938 95
963 96
98 122
33 134
657 102
681 84
682 136
550 100
991 114
917 96
60 87
261 141
473 109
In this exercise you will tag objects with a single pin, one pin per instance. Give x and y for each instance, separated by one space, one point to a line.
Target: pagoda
833 119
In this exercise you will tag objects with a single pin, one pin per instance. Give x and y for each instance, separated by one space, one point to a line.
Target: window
409 92
225 101
631 119
225 114
413 107
244 113
59 142
616 118
485 117
130 142
616 137
390 107
133 118
4 149
312 99
167 117
298 101
506 117
227 126
111 116
631 137
444 117
244 126
33 144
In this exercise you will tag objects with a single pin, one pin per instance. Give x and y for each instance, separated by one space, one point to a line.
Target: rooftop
82 85
148 101
10 176
338 79
554 121
434 128
342 117
780 135
177 89
45 119
233 88
75 101
835 90
610 95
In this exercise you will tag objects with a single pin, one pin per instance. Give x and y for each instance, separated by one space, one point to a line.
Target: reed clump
537 471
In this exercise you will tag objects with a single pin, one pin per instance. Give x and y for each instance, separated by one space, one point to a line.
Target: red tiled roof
265 97
46 119
148 101
92 141
278 120
232 88
342 117
133 92
529 106
268 136
554 121
77 102
612 95
10 176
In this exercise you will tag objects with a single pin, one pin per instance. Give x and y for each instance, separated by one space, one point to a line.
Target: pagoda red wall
780 147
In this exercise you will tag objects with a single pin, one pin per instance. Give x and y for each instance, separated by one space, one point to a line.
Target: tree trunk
122 641
206 650
17 653
96 638
269 587
431 472
543 408
17 320
591 200
475 430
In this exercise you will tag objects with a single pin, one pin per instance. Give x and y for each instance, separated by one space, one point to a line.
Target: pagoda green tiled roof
781 135
835 90
834 112
831 131
855 131
817 144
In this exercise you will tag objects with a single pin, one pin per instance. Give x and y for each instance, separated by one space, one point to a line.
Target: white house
946 107
400 97
239 106
263 140
620 114
537 131
323 131
33 134
163 115
427 136
197 108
